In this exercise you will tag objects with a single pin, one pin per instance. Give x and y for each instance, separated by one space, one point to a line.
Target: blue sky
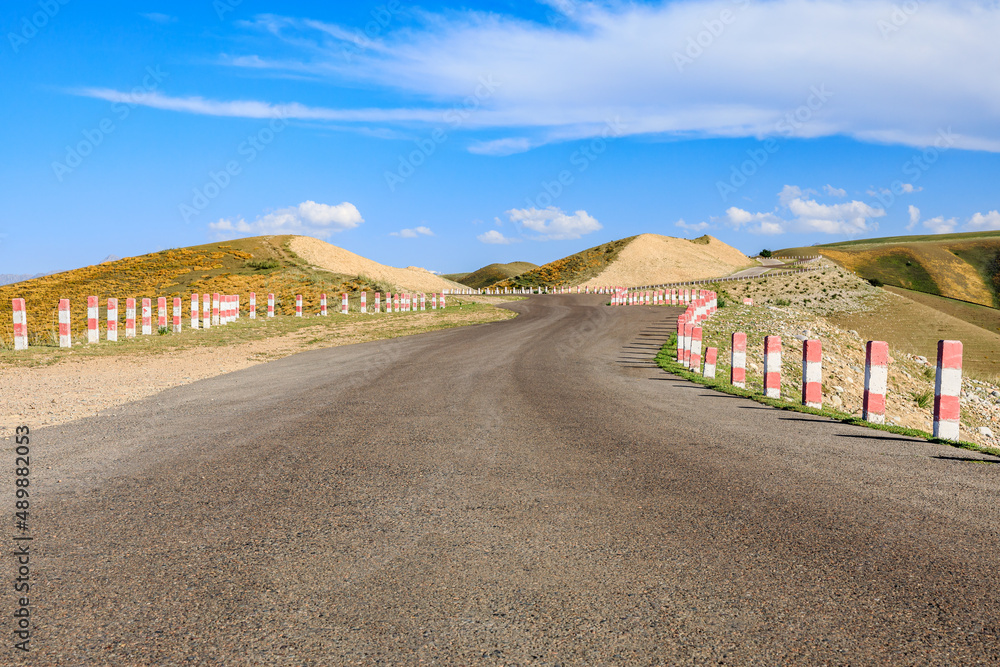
450 136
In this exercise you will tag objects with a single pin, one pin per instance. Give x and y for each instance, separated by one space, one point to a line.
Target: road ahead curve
533 491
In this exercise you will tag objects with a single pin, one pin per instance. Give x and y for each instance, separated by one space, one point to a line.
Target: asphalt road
533 491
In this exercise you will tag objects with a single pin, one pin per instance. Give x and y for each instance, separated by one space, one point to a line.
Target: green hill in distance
492 274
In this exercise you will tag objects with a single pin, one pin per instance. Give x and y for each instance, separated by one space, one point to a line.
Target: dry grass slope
494 273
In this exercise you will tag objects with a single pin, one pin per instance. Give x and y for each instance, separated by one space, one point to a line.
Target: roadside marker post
161 312
948 390
20 324
253 305
772 366
65 337
93 335
696 333
378 303
206 311
423 302
194 311
112 332
177 314
270 305
688 335
876 381
130 318
711 357
812 374
298 305
147 317
215 308
364 303
322 304
344 304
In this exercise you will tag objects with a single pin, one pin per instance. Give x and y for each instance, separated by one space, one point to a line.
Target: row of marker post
206 311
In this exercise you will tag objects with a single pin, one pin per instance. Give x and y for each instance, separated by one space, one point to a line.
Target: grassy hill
494 273
958 266
573 270
260 264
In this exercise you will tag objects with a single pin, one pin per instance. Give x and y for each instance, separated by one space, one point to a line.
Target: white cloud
909 189
834 192
508 146
413 233
770 59
689 227
939 225
495 237
808 215
308 218
980 222
914 217
553 224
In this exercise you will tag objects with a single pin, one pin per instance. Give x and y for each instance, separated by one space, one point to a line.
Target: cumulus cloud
413 233
552 224
980 222
496 238
940 225
308 219
660 68
806 215
914 217
689 227
834 192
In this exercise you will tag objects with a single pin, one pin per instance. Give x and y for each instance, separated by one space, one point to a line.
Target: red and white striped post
130 318
344 303
711 358
65 336
747 301
948 390
161 312
688 337
812 374
177 314
322 304
253 305
696 349
680 340
20 325
423 301
147 317
364 302
434 301
215 309
876 381
378 303
270 305
395 303
772 366
298 305
206 311
93 335
112 332
441 300
195 305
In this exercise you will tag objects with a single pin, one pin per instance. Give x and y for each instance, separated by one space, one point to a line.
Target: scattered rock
839 390
985 430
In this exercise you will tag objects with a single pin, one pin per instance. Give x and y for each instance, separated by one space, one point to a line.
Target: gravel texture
532 491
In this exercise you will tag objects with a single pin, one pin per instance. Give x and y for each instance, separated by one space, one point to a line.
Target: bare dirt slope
651 259
338 260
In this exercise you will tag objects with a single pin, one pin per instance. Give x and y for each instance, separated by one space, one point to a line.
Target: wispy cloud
308 218
692 227
494 237
413 233
905 81
157 17
552 224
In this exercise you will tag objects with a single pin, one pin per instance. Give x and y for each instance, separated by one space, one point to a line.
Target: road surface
530 492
